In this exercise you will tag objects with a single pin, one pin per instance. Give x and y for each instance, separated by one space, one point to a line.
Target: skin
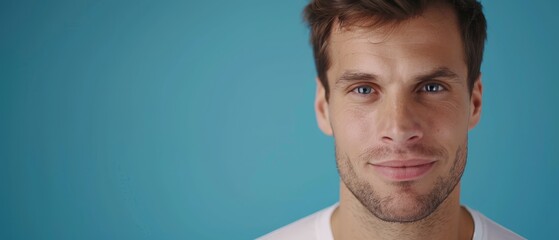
389 101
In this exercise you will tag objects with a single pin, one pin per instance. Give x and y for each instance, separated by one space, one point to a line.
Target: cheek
353 129
447 126
449 117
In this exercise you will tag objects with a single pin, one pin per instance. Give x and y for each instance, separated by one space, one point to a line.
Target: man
398 88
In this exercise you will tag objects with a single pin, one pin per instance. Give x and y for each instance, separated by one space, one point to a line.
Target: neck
351 220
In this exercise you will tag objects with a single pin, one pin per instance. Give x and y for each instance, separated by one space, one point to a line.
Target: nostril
413 138
385 138
401 138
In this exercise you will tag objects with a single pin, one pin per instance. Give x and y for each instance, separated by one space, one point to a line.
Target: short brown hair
321 15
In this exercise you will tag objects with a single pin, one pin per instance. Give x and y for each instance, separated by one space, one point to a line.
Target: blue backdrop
194 120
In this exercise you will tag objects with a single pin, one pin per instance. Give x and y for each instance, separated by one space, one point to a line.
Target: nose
399 122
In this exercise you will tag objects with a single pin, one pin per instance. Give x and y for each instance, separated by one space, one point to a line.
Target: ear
321 109
475 103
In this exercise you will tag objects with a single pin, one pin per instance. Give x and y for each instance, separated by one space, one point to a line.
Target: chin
403 209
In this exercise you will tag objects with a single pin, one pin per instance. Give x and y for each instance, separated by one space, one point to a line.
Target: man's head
324 15
398 87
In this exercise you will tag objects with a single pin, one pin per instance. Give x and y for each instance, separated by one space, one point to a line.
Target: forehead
433 38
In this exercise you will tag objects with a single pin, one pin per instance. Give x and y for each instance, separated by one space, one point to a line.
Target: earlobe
475 103
321 109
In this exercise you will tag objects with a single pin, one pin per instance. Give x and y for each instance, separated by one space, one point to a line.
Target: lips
403 170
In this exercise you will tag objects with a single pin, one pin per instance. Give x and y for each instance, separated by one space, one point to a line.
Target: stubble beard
420 206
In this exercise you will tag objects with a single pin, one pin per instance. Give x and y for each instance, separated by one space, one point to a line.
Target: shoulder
485 228
314 226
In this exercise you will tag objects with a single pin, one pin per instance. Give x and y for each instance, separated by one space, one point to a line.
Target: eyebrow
439 72
356 76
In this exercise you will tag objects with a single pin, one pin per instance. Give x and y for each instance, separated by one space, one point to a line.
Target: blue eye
433 87
363 90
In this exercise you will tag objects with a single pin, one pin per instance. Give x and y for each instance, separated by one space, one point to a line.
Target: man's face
400 110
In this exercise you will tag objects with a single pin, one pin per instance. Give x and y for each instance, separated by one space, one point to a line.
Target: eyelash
356 90
440 86
371 90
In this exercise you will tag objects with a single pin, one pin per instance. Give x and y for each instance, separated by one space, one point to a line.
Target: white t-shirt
317 226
